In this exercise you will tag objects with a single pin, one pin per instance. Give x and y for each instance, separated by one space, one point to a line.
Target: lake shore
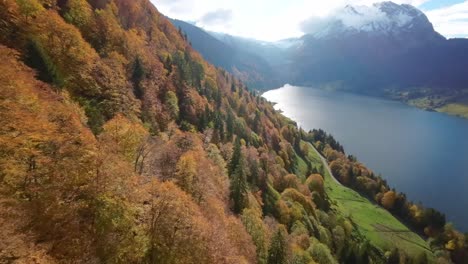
406 145
455 104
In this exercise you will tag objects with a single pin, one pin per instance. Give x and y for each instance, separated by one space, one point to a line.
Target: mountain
403 22
252 68
272 52
385 47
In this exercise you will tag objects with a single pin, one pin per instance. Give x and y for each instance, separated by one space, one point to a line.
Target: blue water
423 154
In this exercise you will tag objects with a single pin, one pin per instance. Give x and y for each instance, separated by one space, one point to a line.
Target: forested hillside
120 144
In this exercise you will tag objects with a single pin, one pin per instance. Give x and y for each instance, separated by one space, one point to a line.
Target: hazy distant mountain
250 67
275 53
370 49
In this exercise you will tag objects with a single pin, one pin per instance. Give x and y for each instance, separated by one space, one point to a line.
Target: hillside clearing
374 222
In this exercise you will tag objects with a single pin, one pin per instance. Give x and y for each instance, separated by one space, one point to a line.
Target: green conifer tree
277 254
235 158
238 187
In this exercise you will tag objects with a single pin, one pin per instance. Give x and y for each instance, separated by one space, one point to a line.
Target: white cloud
168 7
451 21
217 18
260 19
274 19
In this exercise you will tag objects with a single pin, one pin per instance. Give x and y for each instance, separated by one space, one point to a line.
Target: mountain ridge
385 49
249 67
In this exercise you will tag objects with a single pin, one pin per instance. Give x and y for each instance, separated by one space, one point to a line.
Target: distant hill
249 66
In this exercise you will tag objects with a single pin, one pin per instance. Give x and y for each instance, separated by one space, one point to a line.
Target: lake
423 154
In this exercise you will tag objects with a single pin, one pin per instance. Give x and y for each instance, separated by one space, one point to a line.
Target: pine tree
168 64
277 254
235 158
38 59
238 187
137 76
198 74
254 173
219 126
257 125
230 125
205 119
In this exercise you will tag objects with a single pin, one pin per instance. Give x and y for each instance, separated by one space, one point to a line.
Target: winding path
325 163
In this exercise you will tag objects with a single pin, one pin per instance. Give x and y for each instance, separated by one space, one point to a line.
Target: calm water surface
423 154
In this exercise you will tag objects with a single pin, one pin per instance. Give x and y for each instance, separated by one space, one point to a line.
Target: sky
272 20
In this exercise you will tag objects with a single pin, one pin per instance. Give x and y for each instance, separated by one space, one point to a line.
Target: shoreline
385 98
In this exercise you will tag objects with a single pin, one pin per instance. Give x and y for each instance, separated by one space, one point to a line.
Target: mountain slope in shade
251 68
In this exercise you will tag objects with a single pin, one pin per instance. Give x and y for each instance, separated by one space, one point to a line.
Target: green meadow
379 226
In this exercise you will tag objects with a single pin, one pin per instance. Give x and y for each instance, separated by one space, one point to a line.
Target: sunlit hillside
119 143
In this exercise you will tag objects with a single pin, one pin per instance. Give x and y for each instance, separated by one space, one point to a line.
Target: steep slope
151 184
120 144
252 69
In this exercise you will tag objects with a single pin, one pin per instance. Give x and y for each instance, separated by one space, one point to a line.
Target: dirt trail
325 163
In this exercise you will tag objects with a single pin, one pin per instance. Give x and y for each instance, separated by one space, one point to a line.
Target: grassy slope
457 108
375 223
452 103
301 168
456 105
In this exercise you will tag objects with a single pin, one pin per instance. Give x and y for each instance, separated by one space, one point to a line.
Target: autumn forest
119 143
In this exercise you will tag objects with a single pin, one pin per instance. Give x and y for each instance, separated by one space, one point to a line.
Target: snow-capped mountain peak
381 18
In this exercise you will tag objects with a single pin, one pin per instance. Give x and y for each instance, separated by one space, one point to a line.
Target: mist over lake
422 154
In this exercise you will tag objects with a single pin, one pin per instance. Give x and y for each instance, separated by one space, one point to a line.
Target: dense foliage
119 144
